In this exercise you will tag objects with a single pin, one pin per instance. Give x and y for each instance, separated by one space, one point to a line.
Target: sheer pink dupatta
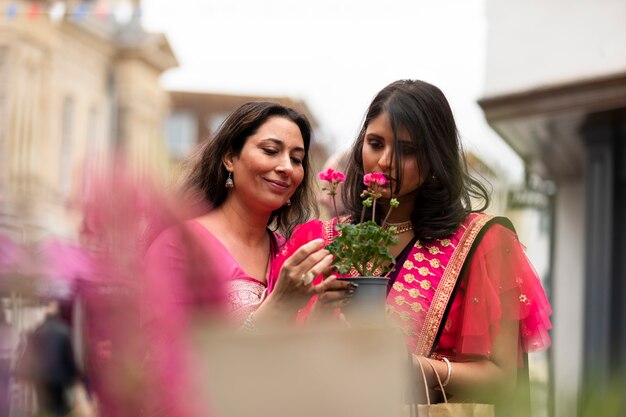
153 279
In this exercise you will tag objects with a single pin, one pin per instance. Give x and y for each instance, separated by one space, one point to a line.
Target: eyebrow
377 136
281 143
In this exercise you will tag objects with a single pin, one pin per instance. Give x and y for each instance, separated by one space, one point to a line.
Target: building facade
71 92
556 92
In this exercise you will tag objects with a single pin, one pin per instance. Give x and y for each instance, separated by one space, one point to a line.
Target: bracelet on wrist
449 371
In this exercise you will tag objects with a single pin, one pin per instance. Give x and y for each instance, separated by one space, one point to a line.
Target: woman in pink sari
462 291
254 175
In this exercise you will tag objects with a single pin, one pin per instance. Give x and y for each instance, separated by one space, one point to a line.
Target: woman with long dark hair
254 177
462 290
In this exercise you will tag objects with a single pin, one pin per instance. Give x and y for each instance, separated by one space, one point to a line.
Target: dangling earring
229 181
288 202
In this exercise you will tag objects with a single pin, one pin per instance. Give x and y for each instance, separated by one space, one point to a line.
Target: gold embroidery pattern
406 328
417 307
447 283
426 284
408 304
377 272
434 250
329 229
423 271
414 293
404 315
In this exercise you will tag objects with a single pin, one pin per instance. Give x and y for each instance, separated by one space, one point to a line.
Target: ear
228 160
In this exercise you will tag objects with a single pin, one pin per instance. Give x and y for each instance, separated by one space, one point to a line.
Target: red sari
450 295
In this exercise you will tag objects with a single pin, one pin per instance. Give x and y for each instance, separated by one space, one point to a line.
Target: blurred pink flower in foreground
331 175
374 178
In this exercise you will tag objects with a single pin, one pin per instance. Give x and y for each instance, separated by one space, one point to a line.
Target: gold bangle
449 374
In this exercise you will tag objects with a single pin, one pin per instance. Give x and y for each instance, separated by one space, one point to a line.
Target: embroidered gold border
446 285
329 229
330 233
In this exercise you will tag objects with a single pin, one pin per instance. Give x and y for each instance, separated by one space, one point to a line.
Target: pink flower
338 176
374 178
331 175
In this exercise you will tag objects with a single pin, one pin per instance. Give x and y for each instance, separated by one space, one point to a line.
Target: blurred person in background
49 364
8 341
463 292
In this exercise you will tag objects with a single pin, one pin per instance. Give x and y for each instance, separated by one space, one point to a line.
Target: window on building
215 121
181 133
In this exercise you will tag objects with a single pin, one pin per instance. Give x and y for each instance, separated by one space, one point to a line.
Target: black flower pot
368 301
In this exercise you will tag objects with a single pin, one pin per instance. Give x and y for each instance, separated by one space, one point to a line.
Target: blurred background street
538 90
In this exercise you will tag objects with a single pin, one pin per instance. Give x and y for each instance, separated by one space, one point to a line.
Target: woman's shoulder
481 224
176 237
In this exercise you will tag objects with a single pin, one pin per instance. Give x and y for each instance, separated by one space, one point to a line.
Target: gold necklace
400 227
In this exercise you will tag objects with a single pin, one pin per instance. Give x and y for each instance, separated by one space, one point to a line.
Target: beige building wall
535 43
550 65
70 95
144 107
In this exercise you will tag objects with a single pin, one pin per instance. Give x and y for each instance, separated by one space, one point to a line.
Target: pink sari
449 295
189 273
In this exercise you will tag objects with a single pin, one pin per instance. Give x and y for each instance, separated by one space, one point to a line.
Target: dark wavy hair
445 197
208 175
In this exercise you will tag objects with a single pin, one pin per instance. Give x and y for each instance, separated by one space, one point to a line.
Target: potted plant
361 250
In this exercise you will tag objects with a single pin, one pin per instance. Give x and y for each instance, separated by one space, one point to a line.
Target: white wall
535 43
568 297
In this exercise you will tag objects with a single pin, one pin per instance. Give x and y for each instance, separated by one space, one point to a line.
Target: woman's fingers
304 252
333 284
316 264
306 263
335 298
333 293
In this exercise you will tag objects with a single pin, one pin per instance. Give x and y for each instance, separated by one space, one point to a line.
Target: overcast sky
334 54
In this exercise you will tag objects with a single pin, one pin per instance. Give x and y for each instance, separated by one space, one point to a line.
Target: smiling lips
277 184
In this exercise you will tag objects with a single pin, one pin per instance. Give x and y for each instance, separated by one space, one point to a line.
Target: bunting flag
80 12
34 11
11 11
121 12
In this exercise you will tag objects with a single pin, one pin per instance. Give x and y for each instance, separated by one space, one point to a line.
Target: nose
386 160
285 166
